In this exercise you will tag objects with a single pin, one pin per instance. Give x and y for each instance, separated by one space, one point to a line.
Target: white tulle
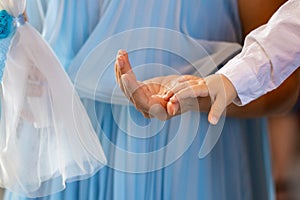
46 138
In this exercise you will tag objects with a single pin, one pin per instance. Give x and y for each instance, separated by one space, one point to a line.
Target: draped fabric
47 138
150 159
36 11
65 36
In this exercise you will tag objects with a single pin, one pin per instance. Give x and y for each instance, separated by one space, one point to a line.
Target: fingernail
174 112
165 97
173 99
121 52
171 111
213 120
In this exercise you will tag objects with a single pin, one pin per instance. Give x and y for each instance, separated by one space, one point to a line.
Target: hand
218 87
184 94
146 96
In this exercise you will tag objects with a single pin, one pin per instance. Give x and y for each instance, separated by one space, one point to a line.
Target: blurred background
285 147
1 193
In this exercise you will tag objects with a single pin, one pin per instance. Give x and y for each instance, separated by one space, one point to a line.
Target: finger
172 108
180 86
187 78
125 68
158 111
137 92
119 64
131 85
175 89
118 73
117 69
217 109
168 95
199 90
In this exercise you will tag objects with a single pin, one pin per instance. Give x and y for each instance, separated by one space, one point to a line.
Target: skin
218 87
149 97
279 101
255 13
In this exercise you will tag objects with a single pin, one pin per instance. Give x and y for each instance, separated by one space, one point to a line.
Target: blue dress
36 12
66 24
149 159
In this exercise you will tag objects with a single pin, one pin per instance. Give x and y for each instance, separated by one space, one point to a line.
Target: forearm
255 13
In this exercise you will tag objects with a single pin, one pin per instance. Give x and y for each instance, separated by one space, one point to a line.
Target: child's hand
218 87
183 96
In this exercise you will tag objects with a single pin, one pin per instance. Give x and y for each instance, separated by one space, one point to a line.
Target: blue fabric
68 24
36 11
7 31
8 26
239 165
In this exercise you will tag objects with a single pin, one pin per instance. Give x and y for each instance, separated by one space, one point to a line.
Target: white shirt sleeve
270 54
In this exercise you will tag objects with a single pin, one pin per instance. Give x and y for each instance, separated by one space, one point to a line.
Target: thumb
217 109
130 84
222 93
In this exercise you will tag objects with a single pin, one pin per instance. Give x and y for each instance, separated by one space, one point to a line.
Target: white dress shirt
271 53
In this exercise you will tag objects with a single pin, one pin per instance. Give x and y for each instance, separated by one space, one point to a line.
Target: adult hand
146 96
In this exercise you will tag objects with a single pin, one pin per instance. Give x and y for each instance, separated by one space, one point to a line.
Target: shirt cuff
244 73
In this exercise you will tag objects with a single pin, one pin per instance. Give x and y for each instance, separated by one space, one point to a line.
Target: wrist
230 91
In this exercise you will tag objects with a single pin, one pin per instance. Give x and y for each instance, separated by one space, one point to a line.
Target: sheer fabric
46 136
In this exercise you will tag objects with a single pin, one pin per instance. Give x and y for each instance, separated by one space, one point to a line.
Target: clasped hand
167 96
